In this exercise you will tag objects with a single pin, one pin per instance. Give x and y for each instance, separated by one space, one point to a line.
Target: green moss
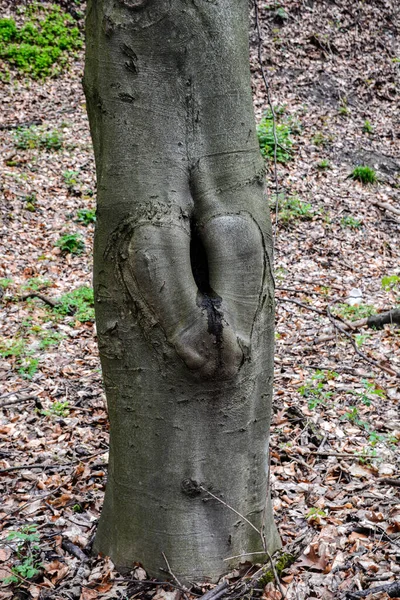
283 562
40 47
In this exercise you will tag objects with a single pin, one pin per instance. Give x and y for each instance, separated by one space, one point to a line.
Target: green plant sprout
351 222
314 389
49 338
367 127
356 312
266 139
314 513
361 338
35 284
28 366
364 174
71 243
28 138
71 180
30 202
292 208
320 139
5 282
390 282
57 409
79 302
324 164
27 550
353 416
86 216
315 394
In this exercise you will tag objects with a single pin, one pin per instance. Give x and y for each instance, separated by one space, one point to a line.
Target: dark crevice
208 300
199 262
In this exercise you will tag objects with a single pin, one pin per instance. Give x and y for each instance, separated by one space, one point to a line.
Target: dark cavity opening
199 262
208 300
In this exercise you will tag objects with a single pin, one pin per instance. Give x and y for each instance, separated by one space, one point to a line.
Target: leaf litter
333 67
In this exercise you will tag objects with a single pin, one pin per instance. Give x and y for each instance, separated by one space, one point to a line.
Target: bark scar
130 64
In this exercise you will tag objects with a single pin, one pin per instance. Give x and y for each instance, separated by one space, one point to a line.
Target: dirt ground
333 70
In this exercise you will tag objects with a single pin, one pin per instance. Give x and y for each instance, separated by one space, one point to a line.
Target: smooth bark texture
183 283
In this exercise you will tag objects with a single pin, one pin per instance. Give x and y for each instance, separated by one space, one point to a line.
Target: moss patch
40 47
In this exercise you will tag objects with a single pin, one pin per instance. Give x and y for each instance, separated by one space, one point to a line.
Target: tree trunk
183 284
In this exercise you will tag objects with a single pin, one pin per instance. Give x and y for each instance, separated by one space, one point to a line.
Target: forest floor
333 69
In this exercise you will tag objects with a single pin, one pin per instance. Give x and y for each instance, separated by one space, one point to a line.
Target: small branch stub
191 488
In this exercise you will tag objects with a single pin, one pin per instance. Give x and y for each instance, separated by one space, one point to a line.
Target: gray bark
183 283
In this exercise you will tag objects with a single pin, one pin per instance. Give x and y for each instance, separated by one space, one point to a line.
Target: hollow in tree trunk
183 284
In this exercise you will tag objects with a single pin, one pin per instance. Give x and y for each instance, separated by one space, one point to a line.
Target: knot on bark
190 487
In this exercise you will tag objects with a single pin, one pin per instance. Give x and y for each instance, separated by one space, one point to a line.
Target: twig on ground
18 400
170 572
12 394
57 466
34 499
294 291
338 454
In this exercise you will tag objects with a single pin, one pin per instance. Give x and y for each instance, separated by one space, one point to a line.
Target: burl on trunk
183 283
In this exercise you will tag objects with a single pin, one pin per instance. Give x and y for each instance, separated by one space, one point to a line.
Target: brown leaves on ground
333 68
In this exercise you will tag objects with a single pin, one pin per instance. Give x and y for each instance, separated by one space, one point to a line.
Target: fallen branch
392 589
45 299
389 481
378 321
374 321
35 466
8 126
387 206
216 592
372 361
342 328
57 466
73 549
17 400
327 453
